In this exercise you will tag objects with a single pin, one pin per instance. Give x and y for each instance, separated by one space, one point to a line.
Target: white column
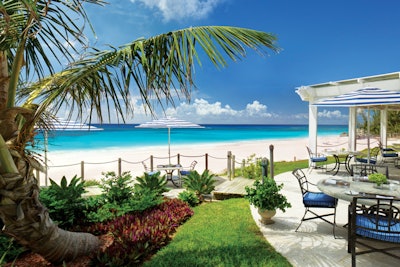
312 127
352 145
383 133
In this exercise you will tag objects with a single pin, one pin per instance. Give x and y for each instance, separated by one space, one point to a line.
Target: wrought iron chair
373 159
379 222
363 169
146 169
317 160
191 168
315 200
367 169
388 154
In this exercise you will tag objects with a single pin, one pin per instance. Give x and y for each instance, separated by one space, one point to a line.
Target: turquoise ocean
126 135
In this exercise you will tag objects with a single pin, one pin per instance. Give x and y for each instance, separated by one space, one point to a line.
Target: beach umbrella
168 123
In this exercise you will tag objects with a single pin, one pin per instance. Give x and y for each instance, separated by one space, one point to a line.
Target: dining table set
169 170
342 158
347 187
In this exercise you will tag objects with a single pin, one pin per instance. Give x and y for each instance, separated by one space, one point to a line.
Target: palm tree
33 34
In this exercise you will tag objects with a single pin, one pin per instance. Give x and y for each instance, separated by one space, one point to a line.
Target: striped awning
363 97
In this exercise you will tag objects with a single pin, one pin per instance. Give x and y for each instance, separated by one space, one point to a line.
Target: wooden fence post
233 166
83 170
179 158
229 164
151 163
206 160
271 160
119 166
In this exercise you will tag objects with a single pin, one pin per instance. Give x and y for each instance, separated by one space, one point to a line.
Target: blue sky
321 41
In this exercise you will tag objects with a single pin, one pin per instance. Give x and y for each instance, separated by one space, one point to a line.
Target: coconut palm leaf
157 66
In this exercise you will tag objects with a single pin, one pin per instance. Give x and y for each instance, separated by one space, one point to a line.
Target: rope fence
120 165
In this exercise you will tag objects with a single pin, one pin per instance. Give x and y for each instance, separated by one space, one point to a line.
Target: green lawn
220 233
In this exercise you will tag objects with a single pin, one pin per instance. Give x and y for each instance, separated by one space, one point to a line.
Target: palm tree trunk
4 80
28 221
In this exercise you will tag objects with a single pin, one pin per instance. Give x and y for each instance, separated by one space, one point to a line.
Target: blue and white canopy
365 97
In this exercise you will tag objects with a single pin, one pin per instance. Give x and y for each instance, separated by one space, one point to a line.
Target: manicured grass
219 234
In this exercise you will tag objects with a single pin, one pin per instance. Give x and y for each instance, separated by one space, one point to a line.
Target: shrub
9 249
119 198
138 235
64 201
199 184
153 182
116 188
189 197
266 195
252 168
91 182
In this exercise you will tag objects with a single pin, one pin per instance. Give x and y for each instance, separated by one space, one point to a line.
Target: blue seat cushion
365 160
319 159
366 226
387 149
390 155
185 172
319 199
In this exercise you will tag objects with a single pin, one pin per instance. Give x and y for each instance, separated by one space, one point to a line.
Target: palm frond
45 27
157 66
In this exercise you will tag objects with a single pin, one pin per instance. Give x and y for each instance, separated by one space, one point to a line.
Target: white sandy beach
68 163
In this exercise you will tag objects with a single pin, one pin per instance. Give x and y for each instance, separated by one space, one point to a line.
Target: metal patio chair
315 201
188 170
317 160
380 221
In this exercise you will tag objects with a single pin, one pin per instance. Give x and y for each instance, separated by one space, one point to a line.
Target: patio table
342 158
345 188
169 170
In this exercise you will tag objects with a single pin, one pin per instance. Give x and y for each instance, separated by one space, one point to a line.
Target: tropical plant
64 201
266 195
189 197
378 178
32 46
251 168
152 182
119 197
9 249
138 235
116 189
200 184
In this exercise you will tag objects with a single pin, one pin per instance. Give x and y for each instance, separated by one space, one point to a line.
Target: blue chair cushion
366 226
365 160
390 155
387 149
185 172
319 199
319 159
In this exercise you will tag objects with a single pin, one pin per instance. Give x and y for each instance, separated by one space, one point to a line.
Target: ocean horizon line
126 135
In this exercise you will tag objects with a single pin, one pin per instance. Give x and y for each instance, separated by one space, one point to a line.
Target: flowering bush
138 235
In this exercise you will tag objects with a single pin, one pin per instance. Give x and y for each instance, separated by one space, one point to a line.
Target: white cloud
256 108
181 9
331 114
201 111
